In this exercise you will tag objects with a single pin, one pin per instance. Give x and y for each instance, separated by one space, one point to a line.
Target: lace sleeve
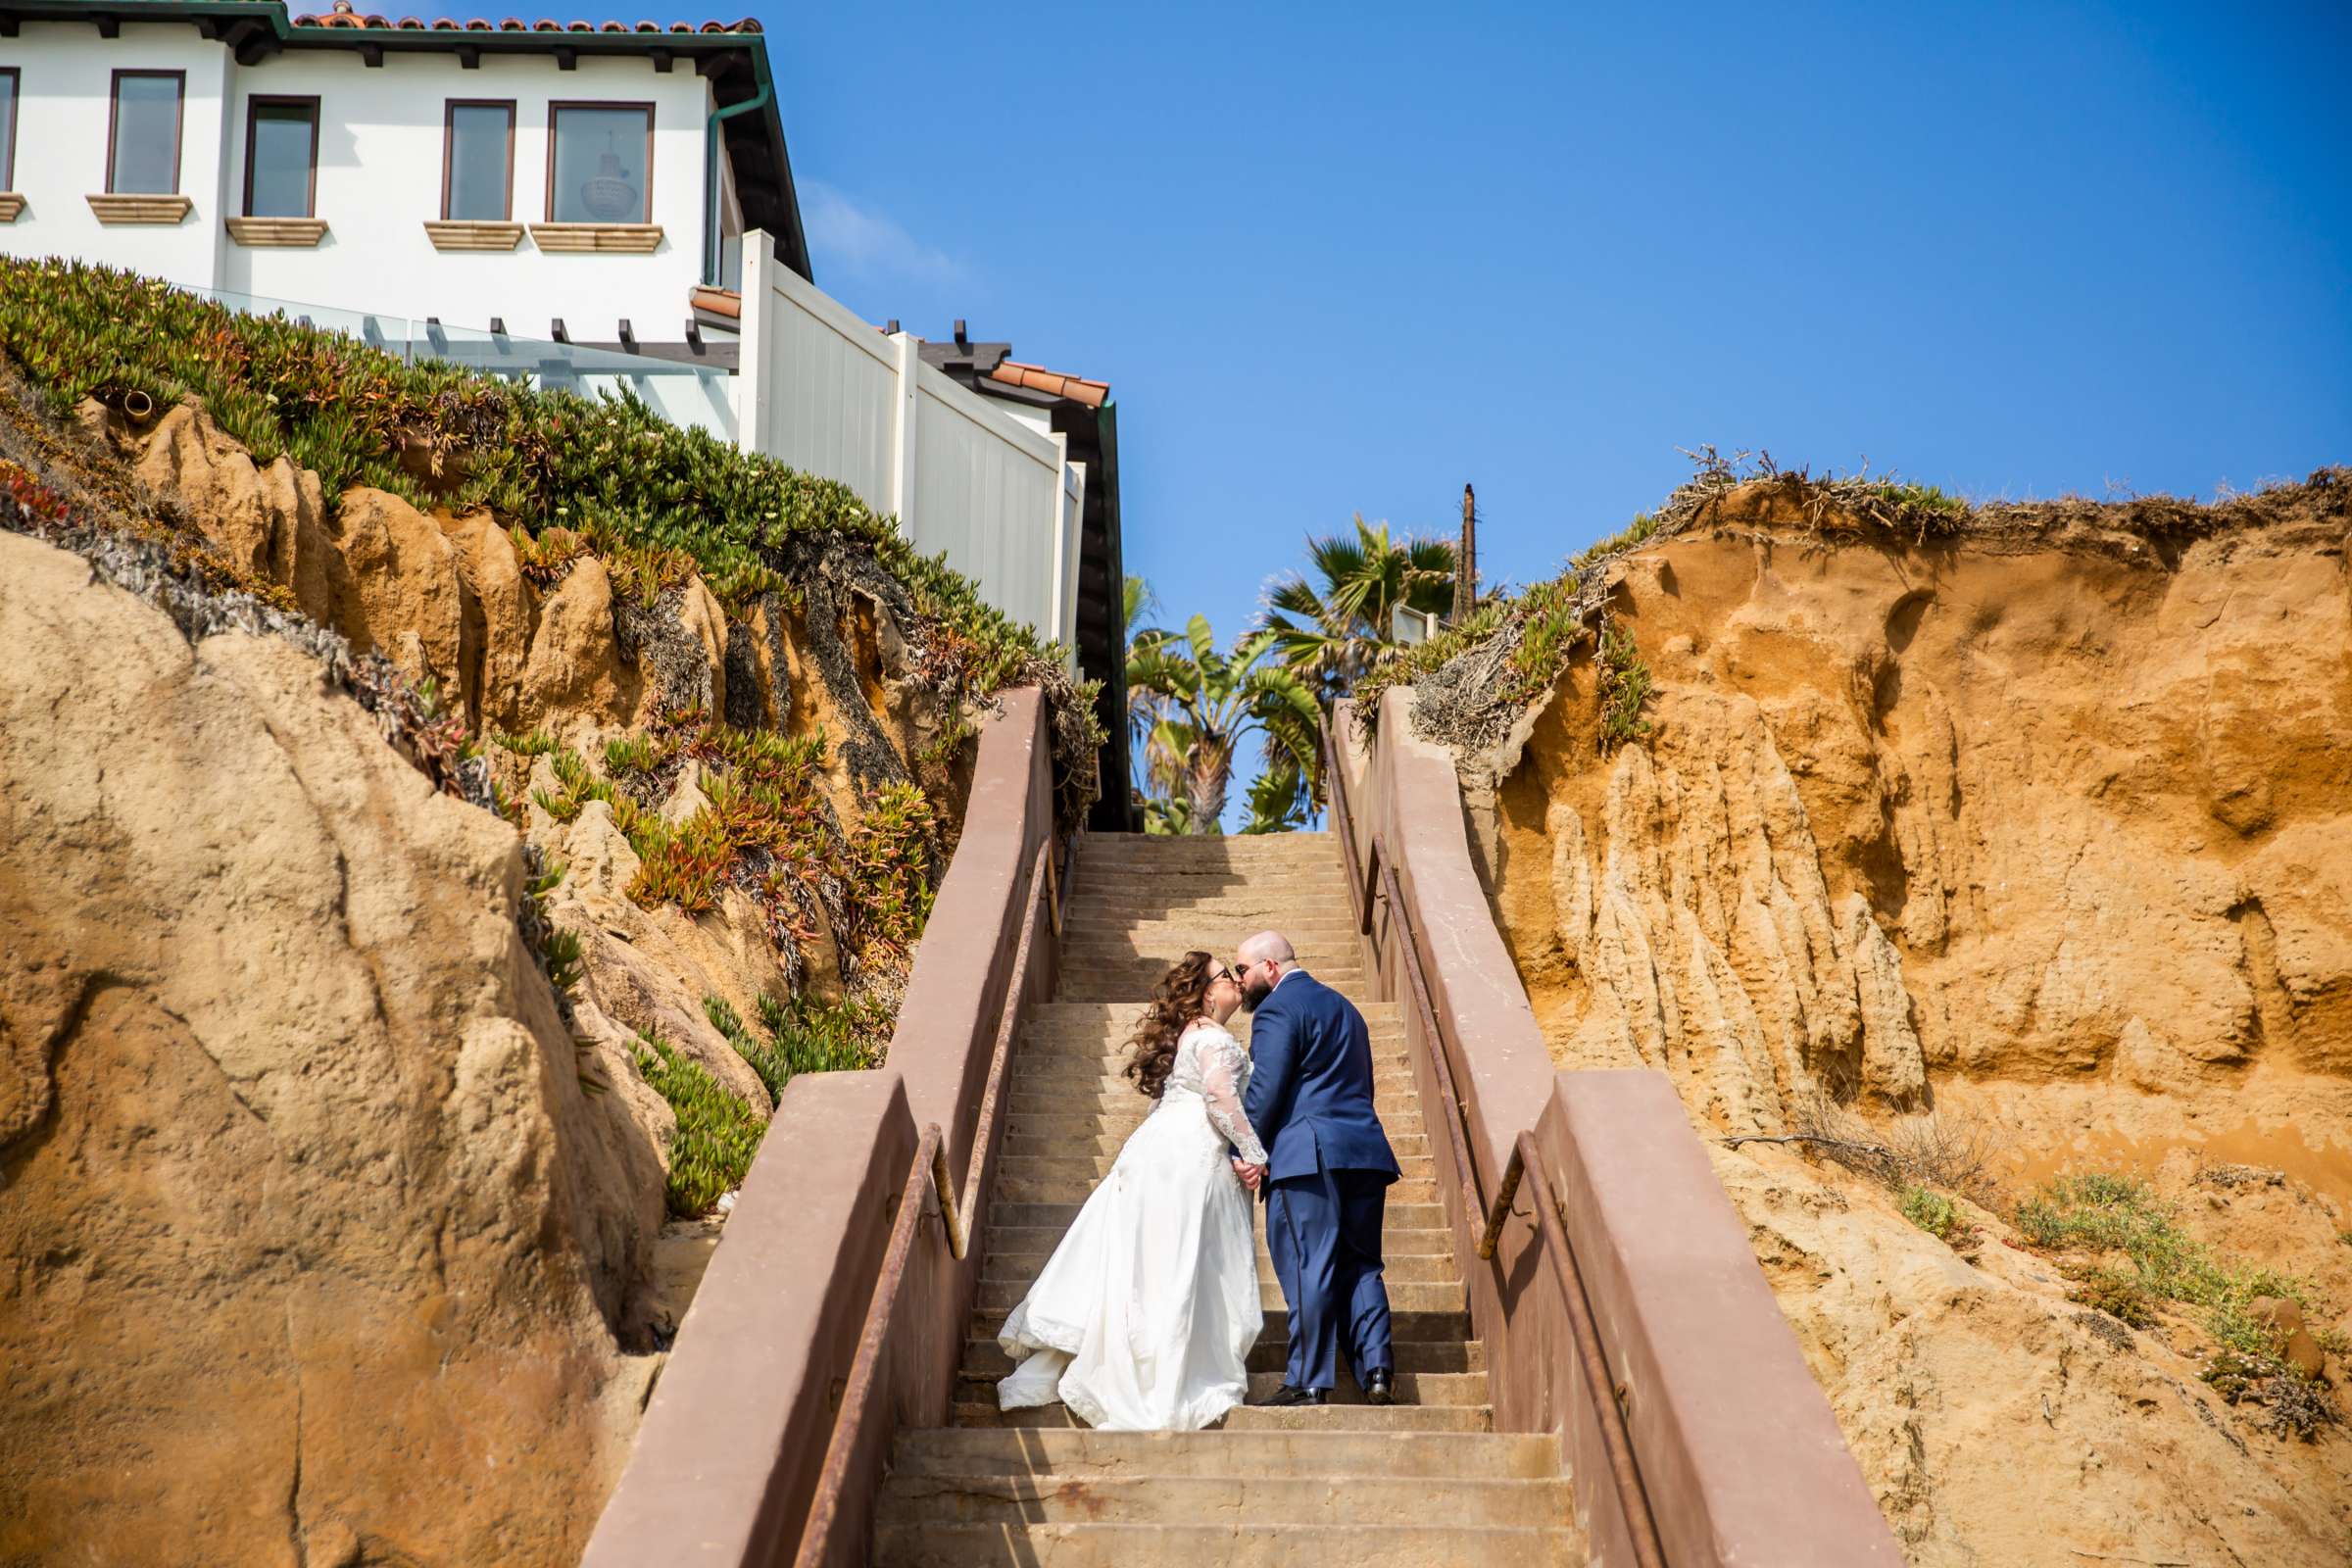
1224 1070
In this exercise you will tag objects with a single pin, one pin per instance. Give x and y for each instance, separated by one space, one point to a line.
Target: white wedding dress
1143 1317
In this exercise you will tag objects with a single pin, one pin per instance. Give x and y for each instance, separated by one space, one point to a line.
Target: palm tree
1210 703
1331 635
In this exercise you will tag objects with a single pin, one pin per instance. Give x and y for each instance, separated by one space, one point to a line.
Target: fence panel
830 395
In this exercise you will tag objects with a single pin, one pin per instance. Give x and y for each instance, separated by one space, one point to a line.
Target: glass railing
680 392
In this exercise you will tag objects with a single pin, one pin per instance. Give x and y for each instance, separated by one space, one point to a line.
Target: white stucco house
470 172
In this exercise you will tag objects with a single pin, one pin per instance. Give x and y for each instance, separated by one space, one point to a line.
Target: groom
1327 1174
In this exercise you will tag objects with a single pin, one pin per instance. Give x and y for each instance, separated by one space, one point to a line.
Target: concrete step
1134 984
1253 900
1404 1296
1118 1014
1079 1106
1395 1241
1231 914
1413 1388
925 1544
1081 1451
1067 1136
1116 1046
1023 1268
1057 1216
1076 1109
1439 1314
1345 1499
1036 1071
1011 1190
1069 1125
1092 1168
983 1356
1334 929
1257 1419
1103 943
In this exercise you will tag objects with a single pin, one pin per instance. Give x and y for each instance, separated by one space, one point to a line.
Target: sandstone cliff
2017 844
411 913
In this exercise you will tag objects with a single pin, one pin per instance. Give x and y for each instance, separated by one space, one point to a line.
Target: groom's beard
1254 992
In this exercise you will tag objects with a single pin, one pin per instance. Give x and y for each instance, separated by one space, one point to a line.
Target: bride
1144 1314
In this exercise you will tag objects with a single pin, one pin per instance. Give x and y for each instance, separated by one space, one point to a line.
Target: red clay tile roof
718 301
1053 383
346 15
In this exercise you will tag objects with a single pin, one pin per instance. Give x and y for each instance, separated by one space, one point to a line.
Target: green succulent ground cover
717 1135
608 472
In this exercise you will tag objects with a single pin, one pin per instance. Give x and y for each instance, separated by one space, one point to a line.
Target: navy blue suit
1329 1168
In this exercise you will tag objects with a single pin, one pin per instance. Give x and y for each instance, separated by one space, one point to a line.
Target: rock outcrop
2045 829
307 1204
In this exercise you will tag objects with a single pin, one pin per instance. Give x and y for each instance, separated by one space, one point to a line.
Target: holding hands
1252 1176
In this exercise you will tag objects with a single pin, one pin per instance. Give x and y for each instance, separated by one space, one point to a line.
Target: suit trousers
1323 1231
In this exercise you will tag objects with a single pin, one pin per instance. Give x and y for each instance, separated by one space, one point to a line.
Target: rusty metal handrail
1456 1115
1343 822
857 1396
1600 1389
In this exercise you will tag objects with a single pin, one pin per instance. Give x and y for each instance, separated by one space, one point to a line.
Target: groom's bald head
1269 947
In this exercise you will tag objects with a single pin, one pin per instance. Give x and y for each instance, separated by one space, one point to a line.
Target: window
8 128
142 148
599 163
281 157
478 162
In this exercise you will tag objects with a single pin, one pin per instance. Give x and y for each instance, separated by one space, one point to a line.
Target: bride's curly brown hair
1180 998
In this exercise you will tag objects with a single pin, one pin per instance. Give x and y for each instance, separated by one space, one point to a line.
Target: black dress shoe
1378 1389
1291 1394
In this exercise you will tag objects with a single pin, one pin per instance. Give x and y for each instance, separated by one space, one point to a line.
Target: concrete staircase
1423 1481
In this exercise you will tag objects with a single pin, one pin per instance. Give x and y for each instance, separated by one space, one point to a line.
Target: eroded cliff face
2043 831
305 1204
333 1212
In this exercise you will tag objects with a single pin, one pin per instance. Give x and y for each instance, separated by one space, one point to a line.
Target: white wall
65 83
379 179
826 392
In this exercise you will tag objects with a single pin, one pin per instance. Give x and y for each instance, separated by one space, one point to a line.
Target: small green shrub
1638 531
538 743
1623 686
802 1036
888 870
638 753
563 956
2117 1292
812 1037
717 1135
1932 1212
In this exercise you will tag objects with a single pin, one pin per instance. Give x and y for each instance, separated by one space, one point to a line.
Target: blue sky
1343 258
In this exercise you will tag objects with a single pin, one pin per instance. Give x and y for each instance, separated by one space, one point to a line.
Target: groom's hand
1252 1176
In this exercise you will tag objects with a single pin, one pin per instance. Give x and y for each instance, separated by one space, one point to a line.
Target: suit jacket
1310 1083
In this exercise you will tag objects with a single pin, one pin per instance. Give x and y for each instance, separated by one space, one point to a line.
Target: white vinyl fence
831 395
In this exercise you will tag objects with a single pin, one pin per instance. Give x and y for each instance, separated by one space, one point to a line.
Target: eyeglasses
1223 975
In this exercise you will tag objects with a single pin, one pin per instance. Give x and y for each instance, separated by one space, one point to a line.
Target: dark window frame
113 125
16 96
281 100
555 108
449 153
